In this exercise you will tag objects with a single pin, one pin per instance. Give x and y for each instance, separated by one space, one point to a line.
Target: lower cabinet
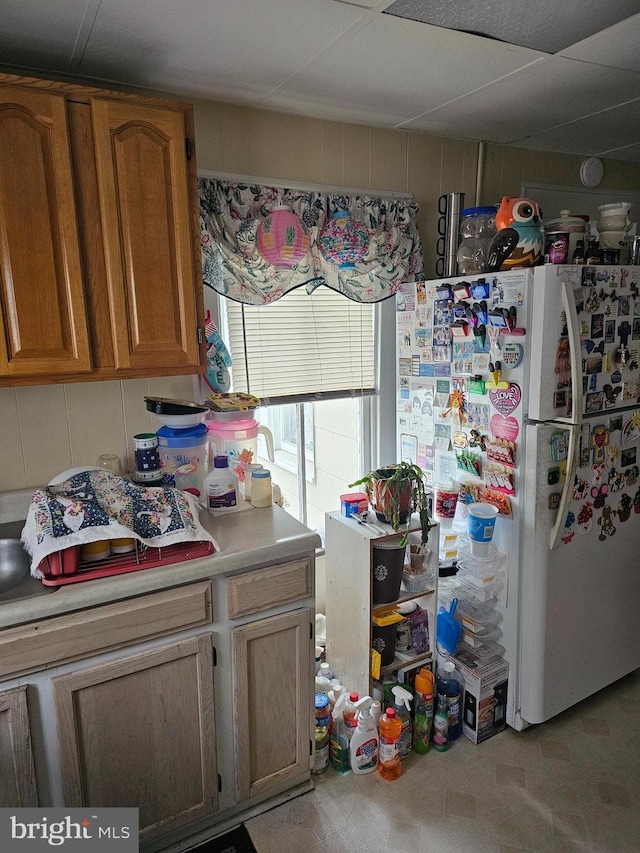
140 732
273 712
17 776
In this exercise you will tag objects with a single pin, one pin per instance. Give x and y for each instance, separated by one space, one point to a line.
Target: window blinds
302 347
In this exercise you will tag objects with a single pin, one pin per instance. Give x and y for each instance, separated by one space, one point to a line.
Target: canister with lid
575 226
477 230
261 493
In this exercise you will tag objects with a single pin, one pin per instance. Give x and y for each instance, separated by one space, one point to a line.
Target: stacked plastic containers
480 583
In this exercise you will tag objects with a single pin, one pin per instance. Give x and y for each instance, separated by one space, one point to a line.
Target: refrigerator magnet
585 518
607 527
506 428
506 400
512 355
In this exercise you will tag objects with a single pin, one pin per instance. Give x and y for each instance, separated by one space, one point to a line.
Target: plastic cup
482 521
445 501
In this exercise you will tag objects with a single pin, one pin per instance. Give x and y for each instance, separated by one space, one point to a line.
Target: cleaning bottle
363 749
423 691
402 705
376 711
449 685
389 764
338 740
349 712
440 726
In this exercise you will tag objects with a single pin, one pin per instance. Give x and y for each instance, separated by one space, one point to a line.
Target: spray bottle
363 749
338 740
441 726
376 711
424 710
402 704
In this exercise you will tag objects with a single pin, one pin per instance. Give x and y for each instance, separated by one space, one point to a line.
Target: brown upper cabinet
100 271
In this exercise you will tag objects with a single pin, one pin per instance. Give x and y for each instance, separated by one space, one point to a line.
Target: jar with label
261 493
404 628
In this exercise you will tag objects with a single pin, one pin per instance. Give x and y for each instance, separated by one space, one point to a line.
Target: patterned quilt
99 504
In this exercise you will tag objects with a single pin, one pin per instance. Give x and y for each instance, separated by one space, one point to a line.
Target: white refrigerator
524 386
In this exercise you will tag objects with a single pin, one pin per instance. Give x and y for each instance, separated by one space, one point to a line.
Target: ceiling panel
548 94
243 48
346 60
545 25
392 70
617 47
45 35
616 132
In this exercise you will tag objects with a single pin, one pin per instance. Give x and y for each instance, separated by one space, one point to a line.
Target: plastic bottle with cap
363 748
449 686
350 711
402 705
325 671
338 739
248 471
424 693
221 485
261 494
389 764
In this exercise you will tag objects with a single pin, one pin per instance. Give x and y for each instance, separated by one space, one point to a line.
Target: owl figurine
520 238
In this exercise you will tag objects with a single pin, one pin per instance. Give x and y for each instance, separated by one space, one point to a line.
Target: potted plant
396 492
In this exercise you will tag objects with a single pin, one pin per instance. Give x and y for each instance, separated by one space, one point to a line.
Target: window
310 358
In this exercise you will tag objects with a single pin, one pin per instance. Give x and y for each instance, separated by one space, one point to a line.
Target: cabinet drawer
270 587
64 638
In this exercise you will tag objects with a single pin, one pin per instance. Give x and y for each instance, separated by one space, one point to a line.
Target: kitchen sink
15 575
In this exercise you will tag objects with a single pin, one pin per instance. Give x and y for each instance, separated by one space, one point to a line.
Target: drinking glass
110 461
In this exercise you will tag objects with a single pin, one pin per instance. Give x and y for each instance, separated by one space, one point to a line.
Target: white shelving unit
349 605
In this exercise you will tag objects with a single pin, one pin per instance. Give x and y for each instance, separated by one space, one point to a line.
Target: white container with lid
248 471
261 492
577 227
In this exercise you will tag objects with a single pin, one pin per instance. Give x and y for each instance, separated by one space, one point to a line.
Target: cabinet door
41 292
149 242
140 732
17 779
273 704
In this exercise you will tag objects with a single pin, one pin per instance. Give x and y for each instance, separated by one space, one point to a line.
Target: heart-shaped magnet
506 400
512 354
505 428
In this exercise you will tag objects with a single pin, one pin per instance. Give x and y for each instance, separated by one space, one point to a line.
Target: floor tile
571 785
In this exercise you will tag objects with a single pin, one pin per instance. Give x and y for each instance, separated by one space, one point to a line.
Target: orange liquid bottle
389 764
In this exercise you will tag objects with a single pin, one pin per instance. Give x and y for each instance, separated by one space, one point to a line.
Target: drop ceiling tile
47 35
616 46
548 94
617 130
544 25
239 49
391 70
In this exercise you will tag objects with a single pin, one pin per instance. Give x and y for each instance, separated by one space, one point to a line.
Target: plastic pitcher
235 435
183 455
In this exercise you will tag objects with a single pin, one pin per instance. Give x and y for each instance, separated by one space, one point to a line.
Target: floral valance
236 264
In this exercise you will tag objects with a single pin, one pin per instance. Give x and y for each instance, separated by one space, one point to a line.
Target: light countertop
248 538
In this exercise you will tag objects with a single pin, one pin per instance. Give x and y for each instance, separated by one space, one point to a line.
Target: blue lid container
190 437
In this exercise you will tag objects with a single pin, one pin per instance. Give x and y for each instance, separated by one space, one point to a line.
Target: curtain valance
230 214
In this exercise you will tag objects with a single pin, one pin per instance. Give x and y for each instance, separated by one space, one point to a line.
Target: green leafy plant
396 492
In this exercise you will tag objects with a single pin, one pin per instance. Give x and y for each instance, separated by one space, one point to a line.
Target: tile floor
571 784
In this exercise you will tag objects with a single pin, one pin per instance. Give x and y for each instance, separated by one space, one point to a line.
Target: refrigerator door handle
567 491
575 349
